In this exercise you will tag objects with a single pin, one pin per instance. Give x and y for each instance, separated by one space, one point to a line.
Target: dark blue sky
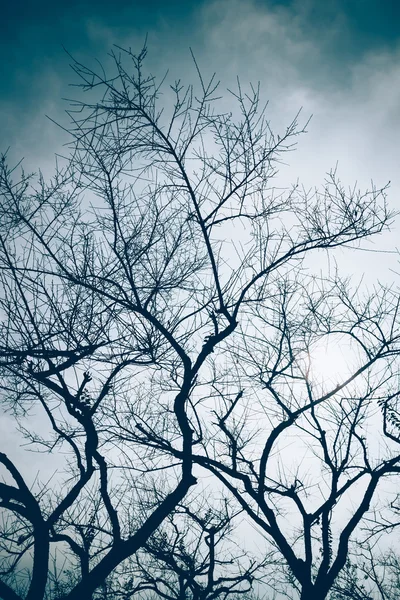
34 69
33 33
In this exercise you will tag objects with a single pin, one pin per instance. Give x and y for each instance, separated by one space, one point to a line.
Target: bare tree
369 575
300 457
350 584
152 288
192 556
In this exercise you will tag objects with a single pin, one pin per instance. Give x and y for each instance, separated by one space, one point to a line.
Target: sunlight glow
332 360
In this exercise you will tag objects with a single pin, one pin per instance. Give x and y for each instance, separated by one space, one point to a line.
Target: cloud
355 103
296 51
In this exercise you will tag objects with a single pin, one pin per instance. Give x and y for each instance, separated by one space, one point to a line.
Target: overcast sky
338 59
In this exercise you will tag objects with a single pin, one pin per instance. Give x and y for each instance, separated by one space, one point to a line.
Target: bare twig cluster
158 326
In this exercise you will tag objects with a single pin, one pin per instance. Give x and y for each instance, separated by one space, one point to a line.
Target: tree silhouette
369 575
194 556
156 318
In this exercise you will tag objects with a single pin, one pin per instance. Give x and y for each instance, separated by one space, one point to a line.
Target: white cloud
355 105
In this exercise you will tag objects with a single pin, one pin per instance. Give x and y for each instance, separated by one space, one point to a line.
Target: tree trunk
310 592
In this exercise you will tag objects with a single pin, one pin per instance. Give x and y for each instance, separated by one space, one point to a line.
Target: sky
331 39
337 59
